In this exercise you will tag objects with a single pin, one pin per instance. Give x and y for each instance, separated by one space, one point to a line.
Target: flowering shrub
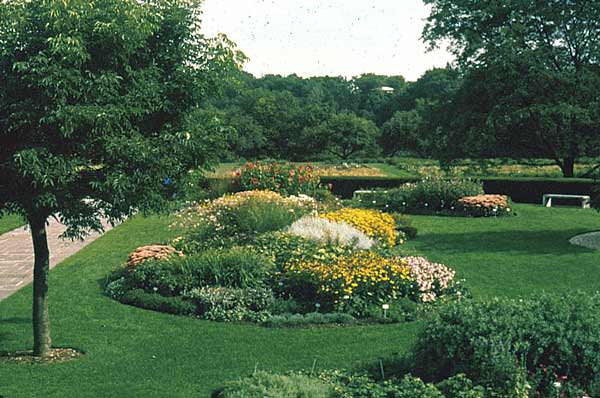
285 178
432 279
234 217
375 224
360 280
484 205
337 233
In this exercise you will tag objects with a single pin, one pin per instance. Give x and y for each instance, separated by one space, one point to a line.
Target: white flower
320 229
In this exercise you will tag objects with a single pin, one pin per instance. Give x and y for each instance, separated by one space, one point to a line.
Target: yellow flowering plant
356 281
374 223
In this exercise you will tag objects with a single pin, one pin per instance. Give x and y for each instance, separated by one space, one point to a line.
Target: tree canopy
529 68
94 104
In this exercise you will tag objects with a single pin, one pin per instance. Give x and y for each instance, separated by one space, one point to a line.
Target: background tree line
525 85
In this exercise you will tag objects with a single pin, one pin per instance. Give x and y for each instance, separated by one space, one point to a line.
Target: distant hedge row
520 189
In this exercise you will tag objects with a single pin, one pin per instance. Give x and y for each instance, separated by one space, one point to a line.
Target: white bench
547 199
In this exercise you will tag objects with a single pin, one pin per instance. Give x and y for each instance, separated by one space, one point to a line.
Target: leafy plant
232 304
263 384
555 338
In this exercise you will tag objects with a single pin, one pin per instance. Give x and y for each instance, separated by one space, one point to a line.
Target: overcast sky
326 37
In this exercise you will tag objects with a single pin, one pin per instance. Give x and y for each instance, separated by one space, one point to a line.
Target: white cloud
326 37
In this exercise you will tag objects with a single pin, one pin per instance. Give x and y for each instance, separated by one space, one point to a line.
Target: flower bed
255 255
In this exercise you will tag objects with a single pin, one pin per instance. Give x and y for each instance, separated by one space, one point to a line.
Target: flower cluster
285 178
214 211
337 233
375 224
364 275
484 205
431 278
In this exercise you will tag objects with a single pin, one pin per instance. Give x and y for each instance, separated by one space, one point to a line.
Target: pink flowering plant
284 178
432 280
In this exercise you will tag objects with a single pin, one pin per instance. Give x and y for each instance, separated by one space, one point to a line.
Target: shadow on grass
529 242
15 321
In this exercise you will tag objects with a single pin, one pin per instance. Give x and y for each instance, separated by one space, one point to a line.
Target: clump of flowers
374 223
364 277
432 279
485 205
331 232
234 217
285 178
156 252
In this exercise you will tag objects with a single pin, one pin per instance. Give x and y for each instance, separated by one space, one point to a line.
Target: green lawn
133 352
9 222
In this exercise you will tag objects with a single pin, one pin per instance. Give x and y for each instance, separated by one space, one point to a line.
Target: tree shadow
528 242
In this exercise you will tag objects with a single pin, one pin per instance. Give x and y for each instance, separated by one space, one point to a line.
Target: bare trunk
41 268
568 167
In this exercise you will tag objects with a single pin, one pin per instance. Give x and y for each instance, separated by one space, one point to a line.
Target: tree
345 135
401 133
533 63
94 98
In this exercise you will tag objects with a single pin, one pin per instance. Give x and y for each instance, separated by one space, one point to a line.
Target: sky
326 37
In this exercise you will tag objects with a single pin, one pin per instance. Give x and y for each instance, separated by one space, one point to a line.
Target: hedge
520 189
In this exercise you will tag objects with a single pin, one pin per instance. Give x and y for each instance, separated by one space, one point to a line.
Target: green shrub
257 216
556 338
230 304
264 384
156 302
285 248
237 267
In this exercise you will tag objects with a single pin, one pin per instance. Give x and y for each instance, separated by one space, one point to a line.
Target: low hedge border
519 189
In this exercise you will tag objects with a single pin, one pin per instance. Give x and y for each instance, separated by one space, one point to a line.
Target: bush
404 224
229 304
156 302
555 338
426 196
284 178
269 385
285 248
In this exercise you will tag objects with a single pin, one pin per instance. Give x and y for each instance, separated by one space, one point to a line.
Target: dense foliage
552 341
96 113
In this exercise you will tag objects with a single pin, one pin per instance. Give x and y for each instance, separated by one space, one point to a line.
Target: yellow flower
373 223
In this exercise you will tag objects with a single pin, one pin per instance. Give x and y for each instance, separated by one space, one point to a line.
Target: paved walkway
16 254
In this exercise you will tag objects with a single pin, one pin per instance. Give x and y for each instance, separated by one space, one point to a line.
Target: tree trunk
568 167
41 268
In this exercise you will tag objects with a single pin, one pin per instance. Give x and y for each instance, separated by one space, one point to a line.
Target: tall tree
93 103
345 136
533 62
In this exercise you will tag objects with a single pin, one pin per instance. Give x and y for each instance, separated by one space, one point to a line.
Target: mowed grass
515 256
131 352
9 222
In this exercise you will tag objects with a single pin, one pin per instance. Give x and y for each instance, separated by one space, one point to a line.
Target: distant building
387 89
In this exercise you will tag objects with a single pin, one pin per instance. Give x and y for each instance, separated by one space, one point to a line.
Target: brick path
16 254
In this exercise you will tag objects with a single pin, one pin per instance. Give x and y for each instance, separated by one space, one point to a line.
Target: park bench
547 199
